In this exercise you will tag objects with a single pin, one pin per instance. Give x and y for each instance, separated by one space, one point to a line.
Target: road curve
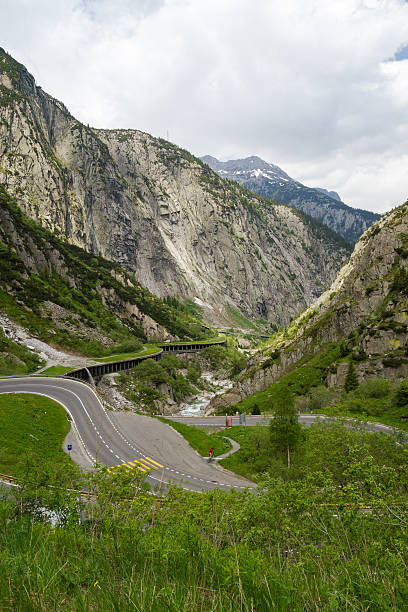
105 441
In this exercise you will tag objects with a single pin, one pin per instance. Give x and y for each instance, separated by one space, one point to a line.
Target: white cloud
305 85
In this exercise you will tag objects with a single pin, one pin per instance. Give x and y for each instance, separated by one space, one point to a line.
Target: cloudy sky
318 87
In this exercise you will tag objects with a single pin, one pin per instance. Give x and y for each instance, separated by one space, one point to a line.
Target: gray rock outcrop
270 181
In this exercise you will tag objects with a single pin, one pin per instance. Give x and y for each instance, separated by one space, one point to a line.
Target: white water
197 406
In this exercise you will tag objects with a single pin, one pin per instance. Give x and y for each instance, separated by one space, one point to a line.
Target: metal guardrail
127 364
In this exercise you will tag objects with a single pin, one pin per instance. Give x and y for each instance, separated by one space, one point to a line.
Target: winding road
127 441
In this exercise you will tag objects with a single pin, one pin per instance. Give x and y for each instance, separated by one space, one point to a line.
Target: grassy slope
16 358
57 370
309 372
32 430
148 350
199 439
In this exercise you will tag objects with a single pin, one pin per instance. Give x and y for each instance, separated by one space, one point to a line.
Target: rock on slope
365 311
72 299
272 182
158 211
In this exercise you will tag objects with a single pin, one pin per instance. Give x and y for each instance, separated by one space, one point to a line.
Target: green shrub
374 388
401 396
151 371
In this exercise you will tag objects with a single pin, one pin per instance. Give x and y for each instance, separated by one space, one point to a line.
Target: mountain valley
159 212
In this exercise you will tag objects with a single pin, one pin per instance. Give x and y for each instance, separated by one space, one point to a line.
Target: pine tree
351 381
285 430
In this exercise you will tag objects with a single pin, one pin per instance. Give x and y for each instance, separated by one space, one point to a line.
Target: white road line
112 424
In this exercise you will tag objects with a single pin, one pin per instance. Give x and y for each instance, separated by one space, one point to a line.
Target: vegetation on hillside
141 385
328 534
16 358
178 377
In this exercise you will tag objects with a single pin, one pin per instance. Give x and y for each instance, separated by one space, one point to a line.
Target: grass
58 370
32 430
199 440
148 350
239 319
238 462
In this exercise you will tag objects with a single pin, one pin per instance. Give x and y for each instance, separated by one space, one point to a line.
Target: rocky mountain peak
272 182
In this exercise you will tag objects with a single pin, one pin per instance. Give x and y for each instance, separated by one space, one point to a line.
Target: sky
318 88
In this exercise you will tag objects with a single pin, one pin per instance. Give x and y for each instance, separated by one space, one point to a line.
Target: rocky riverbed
197 405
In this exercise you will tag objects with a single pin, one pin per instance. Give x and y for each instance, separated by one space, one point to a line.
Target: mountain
362 318
75 300
271 182
159 212
332 194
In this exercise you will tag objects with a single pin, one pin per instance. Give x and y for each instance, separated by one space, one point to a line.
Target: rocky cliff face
158 211
366 310
272 182
73 299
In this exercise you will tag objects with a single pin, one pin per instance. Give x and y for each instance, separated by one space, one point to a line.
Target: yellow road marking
155 462
142 466
146 459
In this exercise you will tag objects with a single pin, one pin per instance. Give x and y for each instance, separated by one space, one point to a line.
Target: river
197 405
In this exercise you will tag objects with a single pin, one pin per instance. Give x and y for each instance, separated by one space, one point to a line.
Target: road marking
153 461
150 465
143 467
153 465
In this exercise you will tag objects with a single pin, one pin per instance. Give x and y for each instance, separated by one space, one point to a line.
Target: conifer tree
285 430
351 381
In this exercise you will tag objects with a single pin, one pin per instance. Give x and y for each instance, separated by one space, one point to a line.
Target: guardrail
127 364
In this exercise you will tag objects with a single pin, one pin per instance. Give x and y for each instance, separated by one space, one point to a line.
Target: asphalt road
128 441
305 419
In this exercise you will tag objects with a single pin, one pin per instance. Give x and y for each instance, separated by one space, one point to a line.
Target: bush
256 409
374 388
319 397
150 371
401 396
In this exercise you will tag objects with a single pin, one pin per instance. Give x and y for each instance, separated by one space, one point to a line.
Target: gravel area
52 356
